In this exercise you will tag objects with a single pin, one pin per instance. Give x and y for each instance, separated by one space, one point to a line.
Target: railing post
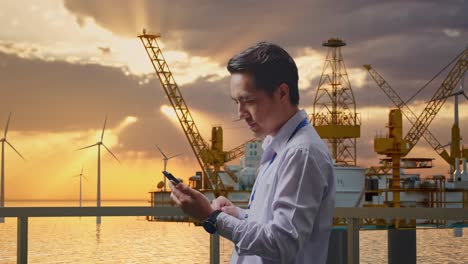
214 249
22 243
353 240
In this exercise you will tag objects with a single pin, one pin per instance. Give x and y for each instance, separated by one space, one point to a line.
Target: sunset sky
65 65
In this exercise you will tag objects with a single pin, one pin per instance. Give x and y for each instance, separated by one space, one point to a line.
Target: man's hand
222 203
191 201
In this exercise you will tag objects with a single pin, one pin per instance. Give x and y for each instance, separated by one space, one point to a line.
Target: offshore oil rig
335 119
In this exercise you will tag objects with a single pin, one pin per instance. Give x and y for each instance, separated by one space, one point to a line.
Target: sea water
135 240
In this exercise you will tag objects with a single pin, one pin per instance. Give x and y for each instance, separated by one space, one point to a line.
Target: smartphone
171 177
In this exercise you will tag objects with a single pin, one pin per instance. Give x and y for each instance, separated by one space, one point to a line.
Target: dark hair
270 66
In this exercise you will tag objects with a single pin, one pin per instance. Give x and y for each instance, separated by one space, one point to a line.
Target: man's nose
241 110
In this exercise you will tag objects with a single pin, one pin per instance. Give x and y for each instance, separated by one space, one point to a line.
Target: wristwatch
210 224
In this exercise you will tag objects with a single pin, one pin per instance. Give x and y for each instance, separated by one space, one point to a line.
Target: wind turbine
81 175
165 159
3 140
99 144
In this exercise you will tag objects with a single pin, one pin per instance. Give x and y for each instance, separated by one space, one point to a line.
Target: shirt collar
272 145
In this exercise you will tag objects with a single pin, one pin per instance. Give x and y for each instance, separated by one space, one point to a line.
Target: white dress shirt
290 216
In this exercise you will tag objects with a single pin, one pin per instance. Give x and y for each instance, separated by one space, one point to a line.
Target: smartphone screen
171 177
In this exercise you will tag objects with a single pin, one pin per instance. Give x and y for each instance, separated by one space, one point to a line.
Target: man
290 212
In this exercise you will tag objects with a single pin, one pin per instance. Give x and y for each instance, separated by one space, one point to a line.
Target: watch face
209 227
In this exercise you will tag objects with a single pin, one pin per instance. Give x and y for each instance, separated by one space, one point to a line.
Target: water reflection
98 234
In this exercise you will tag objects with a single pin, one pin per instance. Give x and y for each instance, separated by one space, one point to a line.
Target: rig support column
402 246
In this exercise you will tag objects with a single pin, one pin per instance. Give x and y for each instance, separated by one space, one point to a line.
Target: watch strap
213 216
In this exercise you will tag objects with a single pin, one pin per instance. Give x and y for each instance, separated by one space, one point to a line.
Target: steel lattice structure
334 116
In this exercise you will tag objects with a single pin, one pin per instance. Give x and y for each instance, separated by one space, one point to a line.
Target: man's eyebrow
244 97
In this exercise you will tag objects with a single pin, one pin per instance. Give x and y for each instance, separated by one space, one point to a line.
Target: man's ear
283 91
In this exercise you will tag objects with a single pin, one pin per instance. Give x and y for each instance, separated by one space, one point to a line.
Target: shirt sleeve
302 183
243 213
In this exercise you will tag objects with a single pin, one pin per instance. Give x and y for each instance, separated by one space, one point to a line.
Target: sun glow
169 112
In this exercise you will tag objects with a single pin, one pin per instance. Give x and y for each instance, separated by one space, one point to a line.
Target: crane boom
407 112
439 98
199 146
210 159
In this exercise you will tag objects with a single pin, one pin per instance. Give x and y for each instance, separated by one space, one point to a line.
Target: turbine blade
104 128
7 124
162 153
85 178
111 153
87 147
15 150
466 97
81 170
174 156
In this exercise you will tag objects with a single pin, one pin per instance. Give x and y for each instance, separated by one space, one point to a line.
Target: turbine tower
99 144
81 175
2 181
165 159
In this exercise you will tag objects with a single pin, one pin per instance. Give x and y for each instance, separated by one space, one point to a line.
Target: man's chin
258 134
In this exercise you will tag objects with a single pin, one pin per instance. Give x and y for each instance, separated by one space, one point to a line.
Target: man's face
255 106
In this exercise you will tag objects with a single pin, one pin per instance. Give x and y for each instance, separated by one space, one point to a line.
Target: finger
221 201
215 204
180 195
175 190
185 189
218 203
230 210
172 185
175 199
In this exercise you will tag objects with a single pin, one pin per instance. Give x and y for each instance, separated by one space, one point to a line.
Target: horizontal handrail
415 213
90 211
341 212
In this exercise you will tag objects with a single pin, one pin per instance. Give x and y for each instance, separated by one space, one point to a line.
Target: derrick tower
334 115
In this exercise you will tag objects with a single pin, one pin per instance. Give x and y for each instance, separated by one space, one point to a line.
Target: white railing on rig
352 215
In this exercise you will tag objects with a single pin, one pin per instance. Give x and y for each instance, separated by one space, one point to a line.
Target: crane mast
210 159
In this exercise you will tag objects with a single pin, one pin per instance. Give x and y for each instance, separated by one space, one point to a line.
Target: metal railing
352 215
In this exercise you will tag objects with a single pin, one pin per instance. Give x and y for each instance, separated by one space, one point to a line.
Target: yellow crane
211 158
407 112
395 146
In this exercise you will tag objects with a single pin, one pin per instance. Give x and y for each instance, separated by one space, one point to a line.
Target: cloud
187 24
453 33
408 41
105 50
